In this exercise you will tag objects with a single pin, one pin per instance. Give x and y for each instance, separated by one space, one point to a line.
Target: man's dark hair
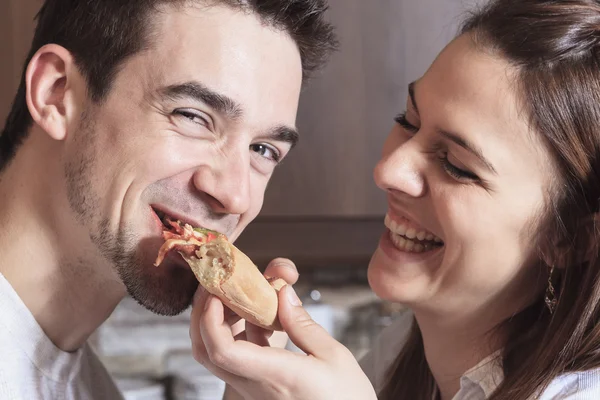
102 34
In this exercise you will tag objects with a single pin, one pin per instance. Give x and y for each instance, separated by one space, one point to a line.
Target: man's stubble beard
167 293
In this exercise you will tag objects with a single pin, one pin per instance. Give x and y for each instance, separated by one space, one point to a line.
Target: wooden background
16 31
322 208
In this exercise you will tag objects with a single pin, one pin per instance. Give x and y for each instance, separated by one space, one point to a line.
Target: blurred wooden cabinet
322 208
16 31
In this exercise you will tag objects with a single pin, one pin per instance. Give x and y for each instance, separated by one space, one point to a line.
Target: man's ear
51 78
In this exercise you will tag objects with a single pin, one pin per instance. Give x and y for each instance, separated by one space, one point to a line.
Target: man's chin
165 290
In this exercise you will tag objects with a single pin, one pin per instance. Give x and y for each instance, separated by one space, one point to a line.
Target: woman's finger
242 358
284 269
303 331
198 348
238 327
198 304
258 335
230 317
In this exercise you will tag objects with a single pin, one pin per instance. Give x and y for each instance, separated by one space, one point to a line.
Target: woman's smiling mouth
408 238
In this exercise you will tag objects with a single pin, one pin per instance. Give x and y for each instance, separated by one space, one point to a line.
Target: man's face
192 128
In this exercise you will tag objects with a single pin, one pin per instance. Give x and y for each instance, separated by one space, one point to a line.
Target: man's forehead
215 17
230 53
212 35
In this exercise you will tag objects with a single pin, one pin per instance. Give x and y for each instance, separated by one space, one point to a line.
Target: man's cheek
257 196
247 217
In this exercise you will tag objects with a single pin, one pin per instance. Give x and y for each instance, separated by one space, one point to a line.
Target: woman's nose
401 168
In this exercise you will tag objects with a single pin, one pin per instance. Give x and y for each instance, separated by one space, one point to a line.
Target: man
129 111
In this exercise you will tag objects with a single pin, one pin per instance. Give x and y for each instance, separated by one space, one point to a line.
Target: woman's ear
580 248
589 236
50 79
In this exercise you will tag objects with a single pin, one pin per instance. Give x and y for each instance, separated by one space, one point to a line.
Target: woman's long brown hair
554 48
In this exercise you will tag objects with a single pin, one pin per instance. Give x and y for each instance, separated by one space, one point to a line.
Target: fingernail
289 266
282 262
292 296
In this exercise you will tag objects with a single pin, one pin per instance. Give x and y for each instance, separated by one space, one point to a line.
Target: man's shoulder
24 378
95 376
12 359
19 376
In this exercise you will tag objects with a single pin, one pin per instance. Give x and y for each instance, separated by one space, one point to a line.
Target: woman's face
466 180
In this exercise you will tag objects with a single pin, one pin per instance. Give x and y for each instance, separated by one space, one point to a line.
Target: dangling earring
550 297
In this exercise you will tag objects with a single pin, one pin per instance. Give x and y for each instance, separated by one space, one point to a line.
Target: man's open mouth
164 218
181 236
171 223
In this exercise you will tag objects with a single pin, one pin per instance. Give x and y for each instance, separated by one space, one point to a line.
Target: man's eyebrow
285 134
224 105
469 147
197 91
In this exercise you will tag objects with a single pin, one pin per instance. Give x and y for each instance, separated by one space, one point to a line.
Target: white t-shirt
32 367
479 382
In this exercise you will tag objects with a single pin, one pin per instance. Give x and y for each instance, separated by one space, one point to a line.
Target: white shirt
32 367
480 381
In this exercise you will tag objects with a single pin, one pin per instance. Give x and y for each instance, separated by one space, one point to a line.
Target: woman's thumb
302 330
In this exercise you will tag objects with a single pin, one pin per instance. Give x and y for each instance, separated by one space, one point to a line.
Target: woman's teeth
408 239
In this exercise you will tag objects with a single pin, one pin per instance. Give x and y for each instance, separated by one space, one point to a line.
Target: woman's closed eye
455 172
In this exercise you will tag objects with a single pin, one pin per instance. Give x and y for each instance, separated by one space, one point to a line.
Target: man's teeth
404 237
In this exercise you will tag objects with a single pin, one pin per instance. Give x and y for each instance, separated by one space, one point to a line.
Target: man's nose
225 185
401 169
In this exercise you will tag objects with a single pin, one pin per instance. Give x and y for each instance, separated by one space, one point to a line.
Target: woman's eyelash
403 122
456 172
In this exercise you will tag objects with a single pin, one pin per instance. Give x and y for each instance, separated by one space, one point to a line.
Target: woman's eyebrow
456 138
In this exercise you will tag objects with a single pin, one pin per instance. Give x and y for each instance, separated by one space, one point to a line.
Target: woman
493 183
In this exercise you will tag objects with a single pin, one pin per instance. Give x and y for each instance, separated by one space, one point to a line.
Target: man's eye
266 151
192 116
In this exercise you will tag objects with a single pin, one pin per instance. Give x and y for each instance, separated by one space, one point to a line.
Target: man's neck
68 297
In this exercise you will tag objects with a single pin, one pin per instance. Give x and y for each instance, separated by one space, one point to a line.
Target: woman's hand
260 372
